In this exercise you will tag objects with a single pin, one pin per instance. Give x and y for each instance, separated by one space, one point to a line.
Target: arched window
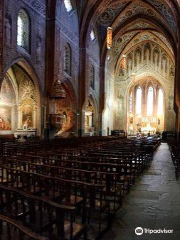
23 29
131 102
67 59
92 35
150 101
68 5
138 100
91 76
160 102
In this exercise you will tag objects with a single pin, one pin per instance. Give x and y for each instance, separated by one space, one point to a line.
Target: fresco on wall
67 122
27 116
7 94
64 108
5 118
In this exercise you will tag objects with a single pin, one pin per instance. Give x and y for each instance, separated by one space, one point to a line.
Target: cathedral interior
89 119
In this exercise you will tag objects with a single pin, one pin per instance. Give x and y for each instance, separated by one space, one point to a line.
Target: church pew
12 229
68 191
112 189
42 214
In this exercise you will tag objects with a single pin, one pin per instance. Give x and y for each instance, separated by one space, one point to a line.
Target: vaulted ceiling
132 21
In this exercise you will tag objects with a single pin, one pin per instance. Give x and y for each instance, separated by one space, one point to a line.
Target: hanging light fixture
123 62
109 37
57 90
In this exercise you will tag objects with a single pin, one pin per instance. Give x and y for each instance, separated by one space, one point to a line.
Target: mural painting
5 118
64 114
7 94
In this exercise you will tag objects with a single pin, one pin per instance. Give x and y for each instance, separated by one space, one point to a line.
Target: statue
26 123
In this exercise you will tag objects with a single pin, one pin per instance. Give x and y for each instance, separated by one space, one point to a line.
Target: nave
68 189
152 203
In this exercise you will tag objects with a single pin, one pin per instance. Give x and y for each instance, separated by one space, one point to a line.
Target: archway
146 107
90 117
20 109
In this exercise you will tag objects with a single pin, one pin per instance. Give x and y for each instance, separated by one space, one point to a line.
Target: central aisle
153 202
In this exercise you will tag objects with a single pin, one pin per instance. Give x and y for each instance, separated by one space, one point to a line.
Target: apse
139 68
145 107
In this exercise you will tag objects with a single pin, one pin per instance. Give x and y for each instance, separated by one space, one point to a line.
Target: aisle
154 203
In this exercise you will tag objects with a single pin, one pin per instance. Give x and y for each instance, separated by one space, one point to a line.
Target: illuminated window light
68 5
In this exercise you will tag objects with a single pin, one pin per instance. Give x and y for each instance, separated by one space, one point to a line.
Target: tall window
68 5
91 76
23 29
92 35
67 59
160 102
131 102
138 100
150 101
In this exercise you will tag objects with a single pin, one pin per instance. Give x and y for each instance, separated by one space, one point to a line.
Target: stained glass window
68 5
138 100
92 35
150 101
23 29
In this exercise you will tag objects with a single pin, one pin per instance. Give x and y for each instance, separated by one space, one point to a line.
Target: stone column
82 91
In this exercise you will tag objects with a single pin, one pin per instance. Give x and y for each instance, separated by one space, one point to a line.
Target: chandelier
109 37
123 62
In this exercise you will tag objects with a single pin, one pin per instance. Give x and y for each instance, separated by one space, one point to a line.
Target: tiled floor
154 203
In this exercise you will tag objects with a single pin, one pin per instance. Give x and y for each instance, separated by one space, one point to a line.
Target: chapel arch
90 116
26 108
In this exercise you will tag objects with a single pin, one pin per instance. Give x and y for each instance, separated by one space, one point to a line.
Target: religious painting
87 121
27 116
67 120
5 118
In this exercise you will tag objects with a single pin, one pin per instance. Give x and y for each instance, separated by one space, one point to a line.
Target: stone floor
154 203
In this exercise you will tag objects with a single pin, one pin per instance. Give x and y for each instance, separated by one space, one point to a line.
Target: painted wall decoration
7 94
67 123
64 108
5 118
26 89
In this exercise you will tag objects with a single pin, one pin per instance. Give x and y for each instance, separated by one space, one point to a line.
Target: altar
25 134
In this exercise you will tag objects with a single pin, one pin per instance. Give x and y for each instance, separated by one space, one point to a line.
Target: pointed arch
30 75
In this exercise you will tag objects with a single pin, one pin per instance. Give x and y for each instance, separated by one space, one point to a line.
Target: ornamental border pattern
37 6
